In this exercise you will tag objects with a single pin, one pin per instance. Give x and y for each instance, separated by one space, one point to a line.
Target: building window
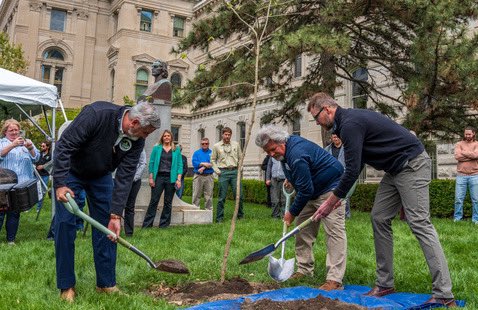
176 80
175 132
141 82
359 91
178 26
146 20
112 87
241 130
219 132
57 20
296 126
52 69
201 135
298 66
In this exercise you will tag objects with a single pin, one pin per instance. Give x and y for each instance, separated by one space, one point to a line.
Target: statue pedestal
182 214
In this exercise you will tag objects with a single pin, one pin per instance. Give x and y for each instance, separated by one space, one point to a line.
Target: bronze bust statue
161 90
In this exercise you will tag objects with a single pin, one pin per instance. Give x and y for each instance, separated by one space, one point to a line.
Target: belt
204 174
228 168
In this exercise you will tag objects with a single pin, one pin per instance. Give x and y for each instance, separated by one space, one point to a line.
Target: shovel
281 269
268 250
171 266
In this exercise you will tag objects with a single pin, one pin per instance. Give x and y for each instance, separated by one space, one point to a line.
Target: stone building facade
103 50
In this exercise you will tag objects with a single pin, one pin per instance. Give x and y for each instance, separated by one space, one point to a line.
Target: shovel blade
258 255
281 269
172 266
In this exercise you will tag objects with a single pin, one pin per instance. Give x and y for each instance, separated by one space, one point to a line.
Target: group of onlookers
105 138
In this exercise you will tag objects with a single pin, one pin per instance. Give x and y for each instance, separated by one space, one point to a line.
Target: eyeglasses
204 143
316 117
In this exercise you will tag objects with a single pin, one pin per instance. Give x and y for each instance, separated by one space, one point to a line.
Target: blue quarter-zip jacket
310 169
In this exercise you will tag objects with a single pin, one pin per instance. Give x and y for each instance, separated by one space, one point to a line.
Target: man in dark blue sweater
314 174
104 137
372 138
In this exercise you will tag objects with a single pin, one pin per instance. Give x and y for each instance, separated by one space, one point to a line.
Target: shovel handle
72 207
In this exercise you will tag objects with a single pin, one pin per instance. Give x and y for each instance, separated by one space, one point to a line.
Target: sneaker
68 294
331 285
456 220
11 242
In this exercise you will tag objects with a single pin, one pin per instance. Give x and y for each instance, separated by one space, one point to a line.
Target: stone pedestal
182 214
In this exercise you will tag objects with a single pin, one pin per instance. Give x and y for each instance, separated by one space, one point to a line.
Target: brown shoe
447 302
331 285
68 294
108 290
297 276
379 291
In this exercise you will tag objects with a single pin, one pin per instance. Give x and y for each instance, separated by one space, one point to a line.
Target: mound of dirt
318 303
202 292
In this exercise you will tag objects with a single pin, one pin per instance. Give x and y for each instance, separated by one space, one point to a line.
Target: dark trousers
162 183
129 209
99 192
11 225
226 179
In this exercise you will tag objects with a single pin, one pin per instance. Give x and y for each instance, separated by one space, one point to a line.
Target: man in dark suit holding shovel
314 174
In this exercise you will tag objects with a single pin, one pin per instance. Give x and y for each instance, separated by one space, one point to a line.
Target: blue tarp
351 294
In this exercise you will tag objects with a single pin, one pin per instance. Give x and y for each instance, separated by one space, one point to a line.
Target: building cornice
143 35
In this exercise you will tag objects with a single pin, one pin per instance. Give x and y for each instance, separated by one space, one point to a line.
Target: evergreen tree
424 50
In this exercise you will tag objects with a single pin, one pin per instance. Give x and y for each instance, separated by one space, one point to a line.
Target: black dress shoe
379 291
447 302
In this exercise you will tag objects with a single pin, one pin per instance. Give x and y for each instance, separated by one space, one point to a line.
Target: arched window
141 82
52 68
176 80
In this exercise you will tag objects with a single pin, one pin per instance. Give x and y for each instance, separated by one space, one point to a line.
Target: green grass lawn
27 270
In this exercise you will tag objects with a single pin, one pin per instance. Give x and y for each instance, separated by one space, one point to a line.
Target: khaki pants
409 189
335 238
203 184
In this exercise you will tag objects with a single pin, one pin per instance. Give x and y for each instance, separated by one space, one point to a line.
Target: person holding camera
17 154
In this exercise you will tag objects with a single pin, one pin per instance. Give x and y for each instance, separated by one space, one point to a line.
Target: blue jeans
99 192
462 183
45 179
11 225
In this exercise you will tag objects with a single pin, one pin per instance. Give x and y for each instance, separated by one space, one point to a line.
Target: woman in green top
165 169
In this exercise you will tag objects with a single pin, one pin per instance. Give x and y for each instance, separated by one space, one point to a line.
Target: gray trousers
409 189
277 198
203 184
335 240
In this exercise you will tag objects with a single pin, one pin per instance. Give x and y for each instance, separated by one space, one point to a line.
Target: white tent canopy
20 89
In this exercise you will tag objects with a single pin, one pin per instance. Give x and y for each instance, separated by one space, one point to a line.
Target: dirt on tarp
202 292
318 303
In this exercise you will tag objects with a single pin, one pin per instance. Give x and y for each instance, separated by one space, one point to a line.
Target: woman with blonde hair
17 154
165 170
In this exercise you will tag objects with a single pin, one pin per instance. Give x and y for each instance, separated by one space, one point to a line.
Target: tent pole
53 143
32 121
62 109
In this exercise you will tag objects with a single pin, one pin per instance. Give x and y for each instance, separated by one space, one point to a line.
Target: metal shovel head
258 255
172 266
281 269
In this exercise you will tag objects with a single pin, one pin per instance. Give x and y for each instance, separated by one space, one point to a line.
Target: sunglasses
204 143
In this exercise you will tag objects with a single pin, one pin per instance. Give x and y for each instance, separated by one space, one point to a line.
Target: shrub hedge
442 196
